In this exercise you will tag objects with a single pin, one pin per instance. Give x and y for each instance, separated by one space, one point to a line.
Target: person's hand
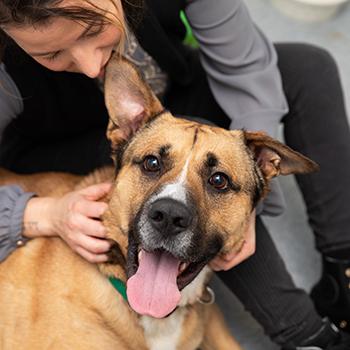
73 218
227 261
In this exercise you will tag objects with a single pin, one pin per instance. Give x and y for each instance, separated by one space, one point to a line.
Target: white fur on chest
163 334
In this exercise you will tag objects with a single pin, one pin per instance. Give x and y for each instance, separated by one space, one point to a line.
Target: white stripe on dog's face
176 190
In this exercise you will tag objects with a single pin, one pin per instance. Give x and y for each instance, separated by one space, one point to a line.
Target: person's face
66 45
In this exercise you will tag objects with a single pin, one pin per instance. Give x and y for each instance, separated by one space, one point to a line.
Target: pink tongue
153 289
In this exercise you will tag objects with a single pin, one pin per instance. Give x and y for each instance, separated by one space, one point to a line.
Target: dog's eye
220 181
151 164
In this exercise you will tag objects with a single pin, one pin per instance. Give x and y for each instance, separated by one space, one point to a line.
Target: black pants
316 126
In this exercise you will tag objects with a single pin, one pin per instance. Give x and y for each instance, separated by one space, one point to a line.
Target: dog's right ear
130 101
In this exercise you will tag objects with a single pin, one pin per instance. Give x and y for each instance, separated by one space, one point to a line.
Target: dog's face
183 194
184 191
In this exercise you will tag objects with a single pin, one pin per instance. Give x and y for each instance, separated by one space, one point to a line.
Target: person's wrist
37 218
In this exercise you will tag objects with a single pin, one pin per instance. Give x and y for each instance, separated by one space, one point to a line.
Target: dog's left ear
275 158
129 100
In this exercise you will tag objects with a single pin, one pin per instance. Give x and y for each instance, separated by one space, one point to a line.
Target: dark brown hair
40 12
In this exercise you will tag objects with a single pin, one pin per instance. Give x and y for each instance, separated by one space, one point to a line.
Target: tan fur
52 299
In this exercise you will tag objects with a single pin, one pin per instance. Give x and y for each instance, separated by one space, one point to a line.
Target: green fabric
120 286
189 40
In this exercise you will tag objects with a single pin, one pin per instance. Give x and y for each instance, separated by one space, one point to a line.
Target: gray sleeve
241 64
11 104
12 198
13 201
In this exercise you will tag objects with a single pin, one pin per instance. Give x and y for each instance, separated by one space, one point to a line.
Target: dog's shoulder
105 174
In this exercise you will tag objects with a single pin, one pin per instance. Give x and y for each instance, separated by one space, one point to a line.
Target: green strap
120 286
189 40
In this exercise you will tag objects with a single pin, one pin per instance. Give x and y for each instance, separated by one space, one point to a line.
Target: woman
52 116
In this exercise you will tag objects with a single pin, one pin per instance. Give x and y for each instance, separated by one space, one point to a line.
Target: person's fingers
214 266
228 257
219 262
92 244
228 261
90 209
86 226
227 265
89 227
223 266
246 252
93 258
96 192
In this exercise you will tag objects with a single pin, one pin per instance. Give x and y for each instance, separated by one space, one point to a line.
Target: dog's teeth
140 255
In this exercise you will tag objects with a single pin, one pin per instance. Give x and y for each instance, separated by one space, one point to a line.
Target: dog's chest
164 334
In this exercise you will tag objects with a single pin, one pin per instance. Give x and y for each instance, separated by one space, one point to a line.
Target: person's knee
315 52
317 60
309 63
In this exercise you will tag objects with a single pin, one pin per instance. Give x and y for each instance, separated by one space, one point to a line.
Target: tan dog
182 193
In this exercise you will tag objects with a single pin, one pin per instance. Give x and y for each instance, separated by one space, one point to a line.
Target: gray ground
290 231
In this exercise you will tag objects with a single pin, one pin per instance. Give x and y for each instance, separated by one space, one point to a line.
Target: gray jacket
241 66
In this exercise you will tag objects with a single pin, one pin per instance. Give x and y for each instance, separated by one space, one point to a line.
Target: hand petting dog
228 261
73 217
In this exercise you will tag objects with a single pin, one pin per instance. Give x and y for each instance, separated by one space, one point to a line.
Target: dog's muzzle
166 252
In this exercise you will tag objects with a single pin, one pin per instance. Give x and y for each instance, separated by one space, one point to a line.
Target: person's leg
266 289
317 126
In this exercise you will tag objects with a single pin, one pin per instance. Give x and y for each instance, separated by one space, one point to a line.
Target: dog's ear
275 158
129 100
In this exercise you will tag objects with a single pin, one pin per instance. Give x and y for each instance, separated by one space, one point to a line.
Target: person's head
66 35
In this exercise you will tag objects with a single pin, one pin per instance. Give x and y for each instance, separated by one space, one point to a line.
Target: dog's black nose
170 217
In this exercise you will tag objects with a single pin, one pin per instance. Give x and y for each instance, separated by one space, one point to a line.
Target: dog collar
119 285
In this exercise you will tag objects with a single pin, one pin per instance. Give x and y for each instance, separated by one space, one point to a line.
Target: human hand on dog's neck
228 261
73 218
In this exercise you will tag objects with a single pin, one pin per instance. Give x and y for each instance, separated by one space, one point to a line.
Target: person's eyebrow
82 35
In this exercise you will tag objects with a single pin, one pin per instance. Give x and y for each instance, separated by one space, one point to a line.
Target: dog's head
183 191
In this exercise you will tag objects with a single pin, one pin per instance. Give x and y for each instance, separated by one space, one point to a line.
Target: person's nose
88 61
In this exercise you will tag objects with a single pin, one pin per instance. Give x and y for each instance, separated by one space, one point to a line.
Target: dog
182 193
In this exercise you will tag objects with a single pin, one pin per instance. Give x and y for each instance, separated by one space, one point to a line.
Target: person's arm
72 217
240 62
241 66
11 103
13 201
